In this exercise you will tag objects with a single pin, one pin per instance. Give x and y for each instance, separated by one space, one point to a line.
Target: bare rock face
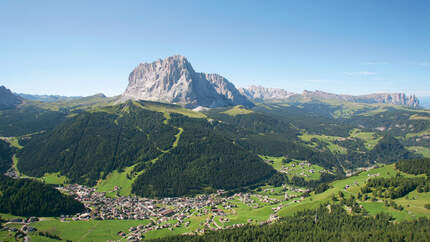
260 93
386 98
8 99
173 80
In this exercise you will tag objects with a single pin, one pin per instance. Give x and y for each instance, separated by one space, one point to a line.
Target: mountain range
263 94
288 151
8 99
47 98
173 80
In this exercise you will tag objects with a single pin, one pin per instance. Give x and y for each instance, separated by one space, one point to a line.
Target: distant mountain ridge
385 98
47 98
8 99
425 102
264 93
173 80
259 93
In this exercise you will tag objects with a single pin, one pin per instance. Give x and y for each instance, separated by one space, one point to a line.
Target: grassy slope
369 138
54 178
7 236
419 117
87 230
411 135
120 179
356 182
237 110
334 148
294 168
170 109
420 150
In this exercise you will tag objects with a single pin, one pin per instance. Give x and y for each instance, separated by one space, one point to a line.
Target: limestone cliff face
260 93
173 80
8 99
386 98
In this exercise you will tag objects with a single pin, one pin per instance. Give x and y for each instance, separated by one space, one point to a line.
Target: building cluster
304 167
167 213
20 226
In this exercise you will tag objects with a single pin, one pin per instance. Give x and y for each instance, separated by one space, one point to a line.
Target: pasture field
91 230
354 183
295 168
54 178
370 138
420 150
237 110
116 179
327 139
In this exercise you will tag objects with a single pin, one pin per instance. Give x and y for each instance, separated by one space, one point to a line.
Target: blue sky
86 47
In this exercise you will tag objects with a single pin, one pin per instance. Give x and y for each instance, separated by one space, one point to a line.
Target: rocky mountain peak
173 80
8 99
261 93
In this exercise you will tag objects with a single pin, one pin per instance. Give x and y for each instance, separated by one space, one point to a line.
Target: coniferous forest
26 197
6 153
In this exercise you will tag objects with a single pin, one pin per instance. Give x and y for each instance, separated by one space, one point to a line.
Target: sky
347 47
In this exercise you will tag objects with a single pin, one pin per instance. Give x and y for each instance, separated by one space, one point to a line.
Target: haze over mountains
47 98
425 102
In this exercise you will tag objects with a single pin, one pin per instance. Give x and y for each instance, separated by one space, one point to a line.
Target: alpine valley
186 156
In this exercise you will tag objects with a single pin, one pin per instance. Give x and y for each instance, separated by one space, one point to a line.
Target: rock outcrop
260 93
173 80
385 98
8 99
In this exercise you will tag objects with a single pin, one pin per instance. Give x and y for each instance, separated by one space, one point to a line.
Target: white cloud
360 73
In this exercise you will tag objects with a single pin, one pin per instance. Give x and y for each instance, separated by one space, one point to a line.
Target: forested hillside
171 154
28 119
390 150
202 160
5 156
90 145
415 166
25 197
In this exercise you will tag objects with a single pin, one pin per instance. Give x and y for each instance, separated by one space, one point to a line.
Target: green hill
26 197
92 141
5 156
92 144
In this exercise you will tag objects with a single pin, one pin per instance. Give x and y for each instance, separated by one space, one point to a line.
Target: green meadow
91 230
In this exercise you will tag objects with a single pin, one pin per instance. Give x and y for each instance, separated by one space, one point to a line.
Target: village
171 213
